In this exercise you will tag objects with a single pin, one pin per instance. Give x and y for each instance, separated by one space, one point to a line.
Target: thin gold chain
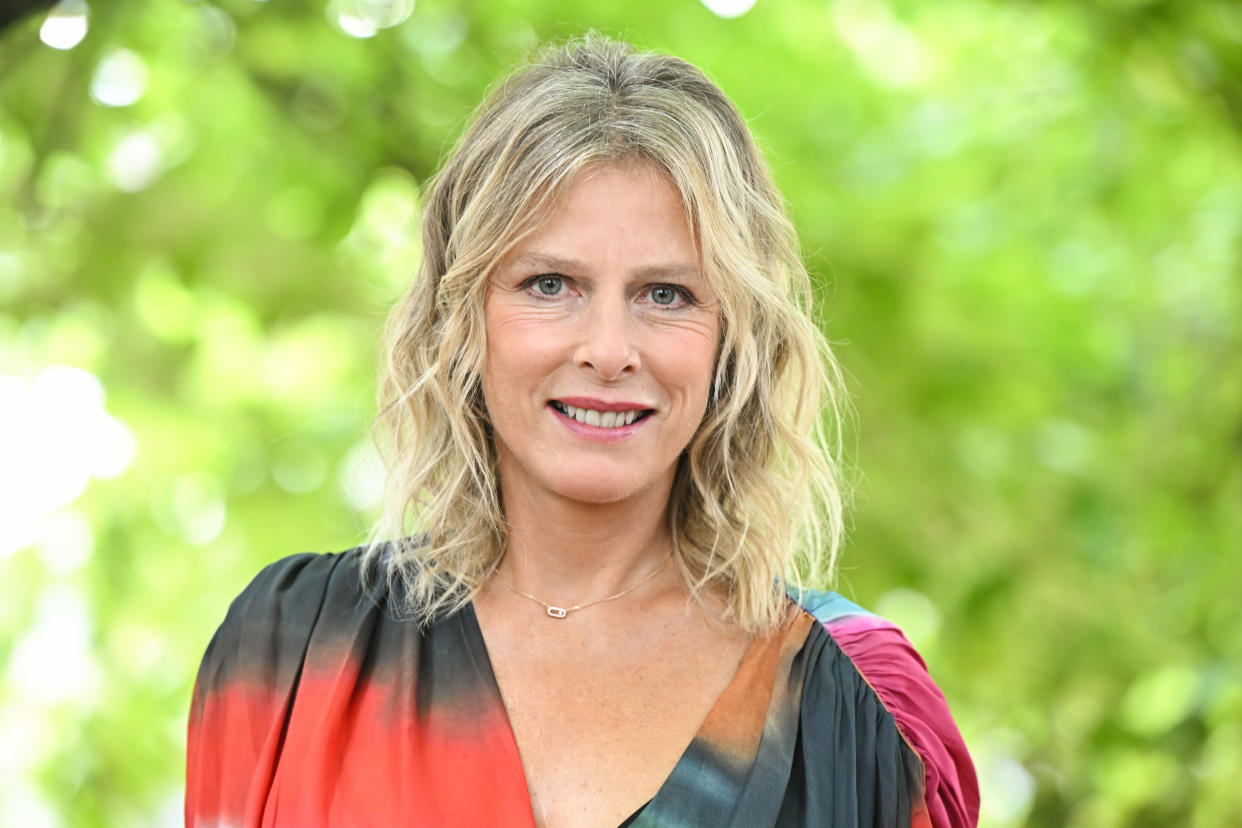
560 612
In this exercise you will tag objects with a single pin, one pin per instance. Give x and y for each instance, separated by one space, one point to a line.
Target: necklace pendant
557 612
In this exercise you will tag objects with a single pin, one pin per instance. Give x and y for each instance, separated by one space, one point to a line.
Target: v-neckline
745 670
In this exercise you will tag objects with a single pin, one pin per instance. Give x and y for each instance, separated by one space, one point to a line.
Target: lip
603 405
597 434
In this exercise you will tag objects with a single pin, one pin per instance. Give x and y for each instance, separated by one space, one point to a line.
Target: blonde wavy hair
757 500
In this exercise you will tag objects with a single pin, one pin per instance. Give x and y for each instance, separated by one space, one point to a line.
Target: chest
600 724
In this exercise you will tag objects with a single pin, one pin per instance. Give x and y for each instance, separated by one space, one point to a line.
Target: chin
601 483
598 492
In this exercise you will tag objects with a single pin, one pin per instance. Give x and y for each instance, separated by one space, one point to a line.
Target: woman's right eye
548 285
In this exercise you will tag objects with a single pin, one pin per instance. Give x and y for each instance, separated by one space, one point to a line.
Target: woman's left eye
668 296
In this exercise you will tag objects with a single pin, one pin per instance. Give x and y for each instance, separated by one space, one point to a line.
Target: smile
601 419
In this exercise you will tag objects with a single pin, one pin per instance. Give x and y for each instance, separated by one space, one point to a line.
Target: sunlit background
1025 219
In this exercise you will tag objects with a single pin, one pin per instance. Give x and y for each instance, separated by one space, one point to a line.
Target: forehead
608 215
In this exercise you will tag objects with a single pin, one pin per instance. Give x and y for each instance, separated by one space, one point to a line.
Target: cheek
508 332
521 348
689 361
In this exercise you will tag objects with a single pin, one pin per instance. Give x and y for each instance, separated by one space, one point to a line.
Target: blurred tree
1026 224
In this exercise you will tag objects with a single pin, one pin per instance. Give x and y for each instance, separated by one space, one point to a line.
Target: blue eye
663 295
670 297
550 285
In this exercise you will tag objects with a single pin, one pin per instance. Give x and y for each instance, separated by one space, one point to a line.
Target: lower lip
596 433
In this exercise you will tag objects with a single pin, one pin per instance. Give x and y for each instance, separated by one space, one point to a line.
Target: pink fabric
895 670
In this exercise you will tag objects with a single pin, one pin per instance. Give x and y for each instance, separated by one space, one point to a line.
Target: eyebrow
544 261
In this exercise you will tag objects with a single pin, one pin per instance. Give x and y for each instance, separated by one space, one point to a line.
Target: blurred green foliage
1026 221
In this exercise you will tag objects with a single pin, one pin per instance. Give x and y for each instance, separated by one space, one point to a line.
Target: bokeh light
119 79
65 25
729 8
135 162
363 18
55 435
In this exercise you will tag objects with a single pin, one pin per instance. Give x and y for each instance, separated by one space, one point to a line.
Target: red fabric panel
340 765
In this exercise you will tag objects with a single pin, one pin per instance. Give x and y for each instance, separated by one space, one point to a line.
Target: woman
603 396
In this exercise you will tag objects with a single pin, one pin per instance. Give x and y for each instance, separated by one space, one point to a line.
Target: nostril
609 358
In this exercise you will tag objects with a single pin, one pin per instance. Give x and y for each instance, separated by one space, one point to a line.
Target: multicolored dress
317 706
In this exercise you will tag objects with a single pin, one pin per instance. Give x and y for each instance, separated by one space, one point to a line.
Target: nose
606 342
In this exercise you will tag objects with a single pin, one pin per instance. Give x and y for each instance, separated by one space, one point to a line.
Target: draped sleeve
890 666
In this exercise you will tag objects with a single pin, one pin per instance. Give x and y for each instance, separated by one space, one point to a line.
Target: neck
565 551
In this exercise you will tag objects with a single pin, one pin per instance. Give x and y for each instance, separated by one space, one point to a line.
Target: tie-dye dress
316 706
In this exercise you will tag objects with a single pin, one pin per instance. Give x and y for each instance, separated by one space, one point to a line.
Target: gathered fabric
317 705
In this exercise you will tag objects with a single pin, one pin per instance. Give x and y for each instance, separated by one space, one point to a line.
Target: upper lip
602 405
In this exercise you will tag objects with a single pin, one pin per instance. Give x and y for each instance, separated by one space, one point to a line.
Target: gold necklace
560 612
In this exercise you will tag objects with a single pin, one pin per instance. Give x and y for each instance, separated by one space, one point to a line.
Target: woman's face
601 343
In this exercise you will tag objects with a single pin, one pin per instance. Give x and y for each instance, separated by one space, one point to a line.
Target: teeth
600 419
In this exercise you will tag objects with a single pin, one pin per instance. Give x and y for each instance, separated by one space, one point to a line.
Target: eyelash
530 286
